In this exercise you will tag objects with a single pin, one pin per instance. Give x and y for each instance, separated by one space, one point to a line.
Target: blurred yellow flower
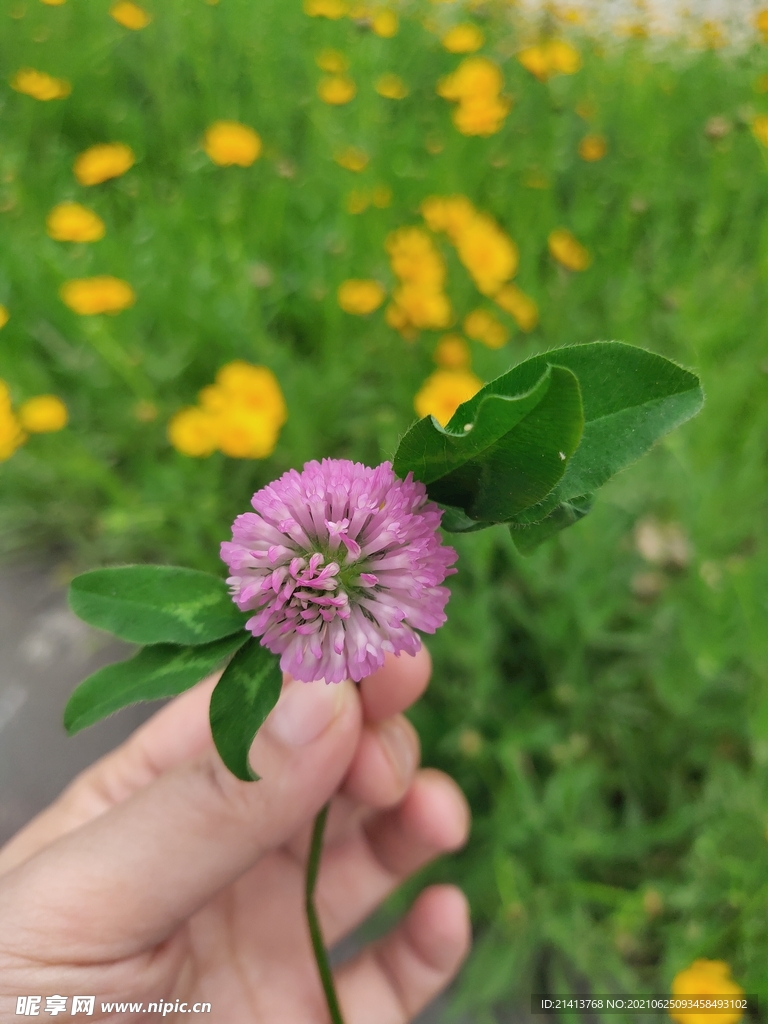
352 159
414 258
422 308
103 161
240 414
490 256
392 87
444 391
43 414
5 316
253 387
452 352
450 214
519 305
336 89
482 326
71 222
476 87
760 128
567 250
194 432
12 435
229 143
761 21
129 15
381 196
466 38
706 978
333 9
385 23
88 296
553 57
39 85
243 434
53 3
357 201
360 297
593 148
334 62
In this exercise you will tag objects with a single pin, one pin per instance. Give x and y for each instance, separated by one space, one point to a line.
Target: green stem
321 958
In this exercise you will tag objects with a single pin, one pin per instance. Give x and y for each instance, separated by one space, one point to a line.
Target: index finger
396 685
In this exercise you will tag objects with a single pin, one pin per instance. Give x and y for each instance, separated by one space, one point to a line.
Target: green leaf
242 699
159 671
631 399
565 513
153 604
521 433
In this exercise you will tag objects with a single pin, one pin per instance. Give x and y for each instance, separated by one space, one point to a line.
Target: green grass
611 746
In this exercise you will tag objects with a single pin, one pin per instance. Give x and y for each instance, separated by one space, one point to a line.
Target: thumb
156 858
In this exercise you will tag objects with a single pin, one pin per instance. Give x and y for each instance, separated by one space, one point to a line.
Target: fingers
357 874
396 685
391 981
158 856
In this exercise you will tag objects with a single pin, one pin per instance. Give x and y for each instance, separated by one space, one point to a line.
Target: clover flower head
340 564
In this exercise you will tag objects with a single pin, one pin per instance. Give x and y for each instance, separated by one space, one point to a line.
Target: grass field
604 703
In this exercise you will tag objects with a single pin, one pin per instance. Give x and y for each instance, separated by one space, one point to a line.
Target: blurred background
194 189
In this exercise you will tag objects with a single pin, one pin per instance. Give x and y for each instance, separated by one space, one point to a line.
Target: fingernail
305 710
398 737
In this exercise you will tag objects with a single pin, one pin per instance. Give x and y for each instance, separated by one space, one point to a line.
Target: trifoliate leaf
162 670
153 604
502 451
242 699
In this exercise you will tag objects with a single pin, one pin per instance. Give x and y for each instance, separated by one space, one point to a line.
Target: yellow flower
53 3
450 214
194 432
88 296
490 256
593 148
465 38
229 143
385 23
760 128
11 434
247 435
476 85
39 85
352 159
255 388
519 305
71 222
482 326
452 352
103 161
392 87
761 21
554 57
336 89
129 15
333 62
414 258
706 978
43 414
333 9
444 391
357 201
423 308
5 316
569 252
381 196
474 77
360 297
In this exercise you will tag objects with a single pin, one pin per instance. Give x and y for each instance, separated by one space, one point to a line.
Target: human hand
157 876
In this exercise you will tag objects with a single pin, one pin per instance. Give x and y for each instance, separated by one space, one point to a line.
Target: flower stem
321 958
